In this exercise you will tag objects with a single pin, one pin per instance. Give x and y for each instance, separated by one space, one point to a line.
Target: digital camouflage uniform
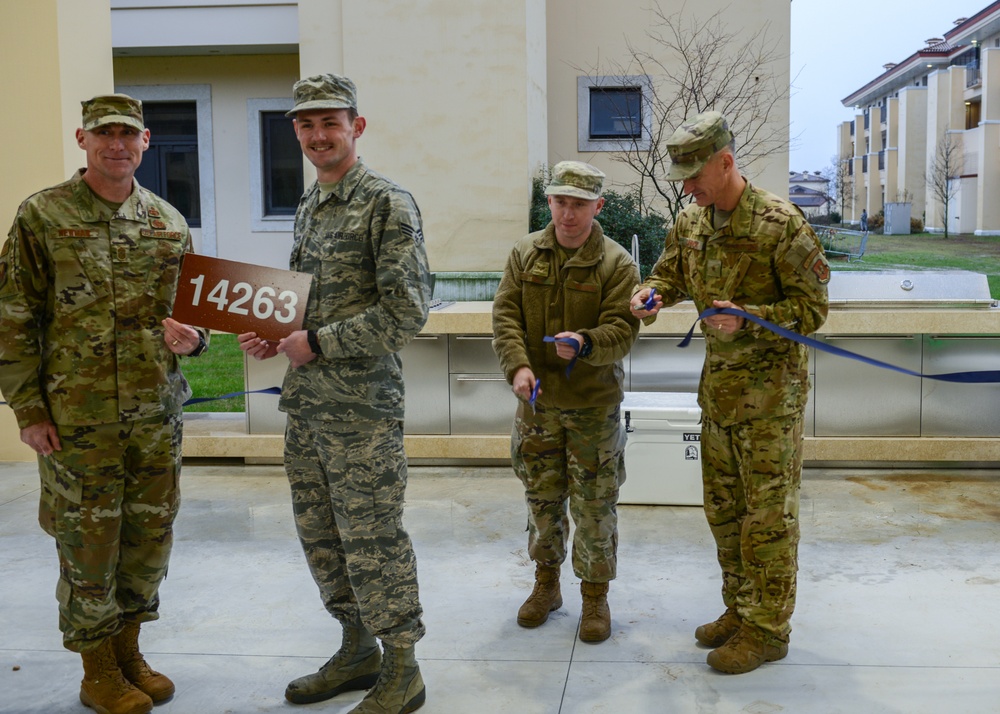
344 442
83 291
753 389
571 447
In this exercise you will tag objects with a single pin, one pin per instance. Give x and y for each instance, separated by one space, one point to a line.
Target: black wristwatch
200 349
313 339
587 348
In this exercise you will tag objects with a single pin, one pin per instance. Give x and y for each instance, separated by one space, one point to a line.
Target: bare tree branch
945 170
697 65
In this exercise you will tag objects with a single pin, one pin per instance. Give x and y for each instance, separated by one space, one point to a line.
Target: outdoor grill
910 289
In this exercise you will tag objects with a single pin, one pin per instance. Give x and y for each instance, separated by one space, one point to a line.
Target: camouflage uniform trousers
752 472
348 484
109 498
575 455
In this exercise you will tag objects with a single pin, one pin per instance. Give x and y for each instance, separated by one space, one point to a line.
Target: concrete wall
55 54
588 38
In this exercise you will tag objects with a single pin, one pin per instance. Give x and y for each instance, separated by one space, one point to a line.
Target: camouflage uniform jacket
767 260
588 294
364 246
83 290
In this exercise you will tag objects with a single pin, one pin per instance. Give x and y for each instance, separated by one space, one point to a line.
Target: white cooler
663 453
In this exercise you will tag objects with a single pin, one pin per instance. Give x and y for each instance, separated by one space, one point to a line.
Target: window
613 113
169 167
276 169
283 182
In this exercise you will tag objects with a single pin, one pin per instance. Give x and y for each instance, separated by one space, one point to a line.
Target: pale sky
838 47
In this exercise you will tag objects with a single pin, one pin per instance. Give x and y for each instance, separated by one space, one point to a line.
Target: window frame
260 222
586 142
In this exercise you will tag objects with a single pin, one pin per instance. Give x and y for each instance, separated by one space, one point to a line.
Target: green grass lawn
218 371
931 251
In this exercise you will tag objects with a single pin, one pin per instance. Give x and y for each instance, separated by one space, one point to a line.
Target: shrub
876 222
916 225
834 217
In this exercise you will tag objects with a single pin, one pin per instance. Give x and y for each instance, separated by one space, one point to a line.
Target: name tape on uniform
238 297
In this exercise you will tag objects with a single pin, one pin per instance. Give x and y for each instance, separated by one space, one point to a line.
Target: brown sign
239 297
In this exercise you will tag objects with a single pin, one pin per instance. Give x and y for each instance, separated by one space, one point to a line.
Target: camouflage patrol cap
112 109
575 178
324 91
694 142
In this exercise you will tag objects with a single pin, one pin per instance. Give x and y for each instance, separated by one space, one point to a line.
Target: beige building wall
69 46
448 105
591 38
912 152
988 207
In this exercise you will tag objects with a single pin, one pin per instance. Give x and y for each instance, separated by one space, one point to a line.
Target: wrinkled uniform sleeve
401 280
616 329
802 273
508 320
23 294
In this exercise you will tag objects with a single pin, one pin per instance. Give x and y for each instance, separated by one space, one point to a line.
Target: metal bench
842 242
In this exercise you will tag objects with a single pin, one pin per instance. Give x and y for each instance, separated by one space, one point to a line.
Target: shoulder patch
821 270
415 234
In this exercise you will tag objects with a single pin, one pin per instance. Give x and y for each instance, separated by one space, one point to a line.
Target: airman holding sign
360 236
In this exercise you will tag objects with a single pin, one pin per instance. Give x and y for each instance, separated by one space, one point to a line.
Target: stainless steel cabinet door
951 409
857 399
425 374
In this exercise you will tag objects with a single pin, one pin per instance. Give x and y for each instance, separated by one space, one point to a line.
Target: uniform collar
589 253
93 211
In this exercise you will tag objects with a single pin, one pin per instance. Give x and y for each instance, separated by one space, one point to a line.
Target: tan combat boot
356 665
716 634
399 689
595 624
545 598
156 686
744 652
104 687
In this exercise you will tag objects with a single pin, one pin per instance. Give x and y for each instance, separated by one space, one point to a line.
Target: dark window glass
282 165
169 167
616 113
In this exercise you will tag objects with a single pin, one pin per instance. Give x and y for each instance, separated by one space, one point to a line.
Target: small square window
615 113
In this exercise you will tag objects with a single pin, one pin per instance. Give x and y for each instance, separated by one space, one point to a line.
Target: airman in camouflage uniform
360 236
568 281
742 247
90 367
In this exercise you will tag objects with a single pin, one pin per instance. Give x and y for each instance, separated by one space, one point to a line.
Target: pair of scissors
651 300
534 395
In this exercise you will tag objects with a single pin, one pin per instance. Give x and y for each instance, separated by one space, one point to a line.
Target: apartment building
810 192
946 94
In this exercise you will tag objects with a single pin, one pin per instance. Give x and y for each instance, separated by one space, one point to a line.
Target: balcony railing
973 76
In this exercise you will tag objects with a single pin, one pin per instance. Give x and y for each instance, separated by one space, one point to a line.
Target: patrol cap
112 109
694 142
577 179
324 91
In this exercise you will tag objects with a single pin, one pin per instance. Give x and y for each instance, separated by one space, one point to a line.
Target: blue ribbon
199 400
984 377
566 341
